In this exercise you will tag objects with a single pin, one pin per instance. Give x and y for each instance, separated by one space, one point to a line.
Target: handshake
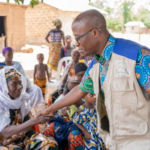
42 119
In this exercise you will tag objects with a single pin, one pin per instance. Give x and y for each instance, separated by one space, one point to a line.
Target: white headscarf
6 103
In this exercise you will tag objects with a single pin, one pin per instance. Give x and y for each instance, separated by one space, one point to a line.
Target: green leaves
144 16
114 24
126 11
32 2
17 2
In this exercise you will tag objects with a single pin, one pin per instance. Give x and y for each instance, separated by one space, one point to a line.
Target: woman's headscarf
6 103
11 74
57 22
6 49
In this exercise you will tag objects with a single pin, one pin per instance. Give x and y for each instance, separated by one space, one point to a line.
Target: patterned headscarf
11 74
57 22
6 49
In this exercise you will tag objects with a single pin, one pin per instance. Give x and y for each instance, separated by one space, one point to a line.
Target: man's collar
107 51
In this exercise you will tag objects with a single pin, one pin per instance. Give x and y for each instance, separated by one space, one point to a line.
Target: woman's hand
87 136
42 119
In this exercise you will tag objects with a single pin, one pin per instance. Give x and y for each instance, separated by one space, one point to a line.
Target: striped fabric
55 35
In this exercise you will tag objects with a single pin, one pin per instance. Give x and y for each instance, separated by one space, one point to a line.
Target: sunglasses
78 38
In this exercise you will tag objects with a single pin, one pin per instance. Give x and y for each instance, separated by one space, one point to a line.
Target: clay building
21 24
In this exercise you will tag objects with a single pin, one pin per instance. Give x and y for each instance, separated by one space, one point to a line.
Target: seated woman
16 124
36 97
69 75
61 127
69 72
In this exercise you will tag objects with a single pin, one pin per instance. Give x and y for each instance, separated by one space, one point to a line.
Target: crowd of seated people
72 128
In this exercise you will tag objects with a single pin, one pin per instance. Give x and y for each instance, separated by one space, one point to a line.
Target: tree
144 15
126 10
109 10
98 3
32 2
114 24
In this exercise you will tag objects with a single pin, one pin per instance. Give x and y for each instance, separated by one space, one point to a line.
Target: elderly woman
15 122
36 97
56 35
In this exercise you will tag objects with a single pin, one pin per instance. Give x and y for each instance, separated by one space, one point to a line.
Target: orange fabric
50 130
82 60
41 84
71 72
54 55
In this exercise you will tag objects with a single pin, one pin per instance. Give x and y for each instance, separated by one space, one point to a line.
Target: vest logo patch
121 69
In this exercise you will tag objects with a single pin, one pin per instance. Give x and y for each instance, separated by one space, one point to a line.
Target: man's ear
96 32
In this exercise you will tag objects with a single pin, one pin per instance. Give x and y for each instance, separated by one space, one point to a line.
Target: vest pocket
123 93
134 129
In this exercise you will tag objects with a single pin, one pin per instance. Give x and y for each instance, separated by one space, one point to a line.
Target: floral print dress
88 119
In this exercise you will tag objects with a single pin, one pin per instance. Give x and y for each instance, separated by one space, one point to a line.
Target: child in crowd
66 50
36 97
40 71
80 69
86 120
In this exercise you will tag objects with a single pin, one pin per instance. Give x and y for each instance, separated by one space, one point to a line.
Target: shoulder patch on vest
127 48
